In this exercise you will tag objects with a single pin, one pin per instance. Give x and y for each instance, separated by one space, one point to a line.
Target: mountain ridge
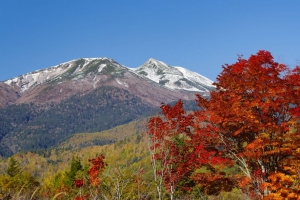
164 84
25 81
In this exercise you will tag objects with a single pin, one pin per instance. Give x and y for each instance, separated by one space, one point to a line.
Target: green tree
17 182
75 167
13 167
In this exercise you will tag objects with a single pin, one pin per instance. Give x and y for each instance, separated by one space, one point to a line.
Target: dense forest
32 127
241 143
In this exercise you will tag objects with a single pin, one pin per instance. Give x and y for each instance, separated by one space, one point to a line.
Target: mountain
164 83
43 108
72 70
175 78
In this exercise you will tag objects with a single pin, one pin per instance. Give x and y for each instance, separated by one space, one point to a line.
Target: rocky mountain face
175 78
7 95
40 109
164 83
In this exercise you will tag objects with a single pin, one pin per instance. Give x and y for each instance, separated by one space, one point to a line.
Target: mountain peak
156 63
174 78
71 70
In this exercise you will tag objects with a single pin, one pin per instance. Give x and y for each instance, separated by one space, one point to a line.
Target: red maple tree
254 107
184 146
97 167
251 119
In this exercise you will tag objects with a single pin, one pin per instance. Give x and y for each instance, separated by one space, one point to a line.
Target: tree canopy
251 120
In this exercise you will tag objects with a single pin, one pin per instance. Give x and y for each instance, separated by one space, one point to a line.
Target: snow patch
95 81
195 76
101 67
121 82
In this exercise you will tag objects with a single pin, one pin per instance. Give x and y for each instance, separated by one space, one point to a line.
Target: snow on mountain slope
195 76
74 69
175 78
25 81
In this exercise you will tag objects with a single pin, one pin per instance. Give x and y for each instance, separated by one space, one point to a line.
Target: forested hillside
32 127
128 172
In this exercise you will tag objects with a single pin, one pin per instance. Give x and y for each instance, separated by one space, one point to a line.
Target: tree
13 167
181 146
97 167
167 149
255 110
70 175
252 119
17 182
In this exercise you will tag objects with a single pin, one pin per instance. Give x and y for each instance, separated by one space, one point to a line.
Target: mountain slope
84 75
38 128
72 70
7 95
175 78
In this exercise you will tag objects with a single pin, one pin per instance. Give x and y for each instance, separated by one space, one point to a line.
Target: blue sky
195 34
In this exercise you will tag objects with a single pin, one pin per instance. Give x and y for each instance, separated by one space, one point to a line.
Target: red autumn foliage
183 146
78 183
256 108
251 119
96 169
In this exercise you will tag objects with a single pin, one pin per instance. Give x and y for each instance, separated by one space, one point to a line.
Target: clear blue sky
200 35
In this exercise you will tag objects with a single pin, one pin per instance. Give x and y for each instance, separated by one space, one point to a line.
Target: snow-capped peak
157 62
174 77
72 69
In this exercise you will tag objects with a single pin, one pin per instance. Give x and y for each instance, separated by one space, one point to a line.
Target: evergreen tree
71 175
13 167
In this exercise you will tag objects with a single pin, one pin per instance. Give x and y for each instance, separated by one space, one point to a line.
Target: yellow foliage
292 196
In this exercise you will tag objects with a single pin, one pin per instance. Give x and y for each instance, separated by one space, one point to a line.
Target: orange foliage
98 166
252 119
256 108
